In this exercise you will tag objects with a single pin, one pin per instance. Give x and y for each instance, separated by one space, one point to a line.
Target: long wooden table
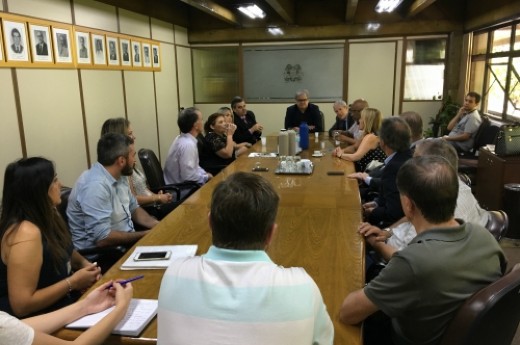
317 229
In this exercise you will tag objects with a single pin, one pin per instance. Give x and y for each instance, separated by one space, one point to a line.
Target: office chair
154 175
322 121
497 224
490 316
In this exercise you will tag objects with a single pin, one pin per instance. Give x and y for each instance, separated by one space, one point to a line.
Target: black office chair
154 175
322 121
106 256
497 224
490 316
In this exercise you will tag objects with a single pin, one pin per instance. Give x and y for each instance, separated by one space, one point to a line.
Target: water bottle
304 136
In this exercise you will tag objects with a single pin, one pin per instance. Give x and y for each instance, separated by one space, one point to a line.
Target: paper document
140 313
177 251
262 155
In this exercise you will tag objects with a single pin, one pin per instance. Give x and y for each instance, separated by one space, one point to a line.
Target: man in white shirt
182 163
465 124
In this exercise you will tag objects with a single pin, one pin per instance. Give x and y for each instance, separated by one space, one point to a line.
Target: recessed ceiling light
275 31
252 11
387 5
373 26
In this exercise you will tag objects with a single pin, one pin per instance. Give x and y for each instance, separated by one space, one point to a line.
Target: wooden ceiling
220 20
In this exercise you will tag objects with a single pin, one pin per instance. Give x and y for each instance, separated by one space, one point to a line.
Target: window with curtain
425 64
495 70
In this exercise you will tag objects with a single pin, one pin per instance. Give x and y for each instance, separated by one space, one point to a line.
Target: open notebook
177 251
140 313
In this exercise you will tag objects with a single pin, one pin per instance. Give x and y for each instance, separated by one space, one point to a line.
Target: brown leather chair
490 316
497 223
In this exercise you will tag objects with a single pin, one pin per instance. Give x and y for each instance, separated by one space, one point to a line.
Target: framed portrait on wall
98 45
125 49
137 60
83 53
40 43
1 47
156 56
62 45
147 55
15 39
113 51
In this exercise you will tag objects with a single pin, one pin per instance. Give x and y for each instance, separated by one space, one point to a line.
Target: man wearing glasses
101 207
303 111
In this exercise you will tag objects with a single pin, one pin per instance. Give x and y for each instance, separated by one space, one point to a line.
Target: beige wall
62 110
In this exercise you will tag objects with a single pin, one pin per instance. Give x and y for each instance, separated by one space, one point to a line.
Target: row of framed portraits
28 42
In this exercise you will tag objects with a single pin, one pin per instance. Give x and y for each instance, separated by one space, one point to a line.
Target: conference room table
317 221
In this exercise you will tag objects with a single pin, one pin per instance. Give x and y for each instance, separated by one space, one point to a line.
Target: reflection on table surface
317 229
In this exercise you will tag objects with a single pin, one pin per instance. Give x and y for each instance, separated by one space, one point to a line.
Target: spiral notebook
140 313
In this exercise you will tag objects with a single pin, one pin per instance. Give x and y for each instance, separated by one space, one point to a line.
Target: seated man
248 130
414 121
303 111
424 284
101 207
387 242
347 122
394 139
465 124
235 294
182 162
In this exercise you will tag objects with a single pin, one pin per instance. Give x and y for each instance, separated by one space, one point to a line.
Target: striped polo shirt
240 297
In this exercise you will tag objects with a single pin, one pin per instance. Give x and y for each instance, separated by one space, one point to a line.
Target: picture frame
16 42
82 45
136 54
2 59
63 51
99 50
147 54
41 43
125 49
156 56
113 51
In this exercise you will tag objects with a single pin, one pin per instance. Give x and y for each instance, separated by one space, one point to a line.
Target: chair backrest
497 224
486 134
490 316
152 168
62 207
322 120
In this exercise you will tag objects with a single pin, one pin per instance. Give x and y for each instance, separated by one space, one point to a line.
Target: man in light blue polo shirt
235 294
101 207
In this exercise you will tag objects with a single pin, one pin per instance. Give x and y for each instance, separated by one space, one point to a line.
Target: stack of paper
177 251
140 313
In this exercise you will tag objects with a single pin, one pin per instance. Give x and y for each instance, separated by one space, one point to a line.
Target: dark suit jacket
389 208
17 50
242 133
294 117
42 49
339 125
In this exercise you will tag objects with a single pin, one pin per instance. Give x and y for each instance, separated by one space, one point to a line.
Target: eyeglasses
302 100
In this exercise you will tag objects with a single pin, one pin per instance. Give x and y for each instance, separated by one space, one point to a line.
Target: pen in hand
123 282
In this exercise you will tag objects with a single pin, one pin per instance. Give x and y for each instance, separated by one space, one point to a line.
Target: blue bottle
304 136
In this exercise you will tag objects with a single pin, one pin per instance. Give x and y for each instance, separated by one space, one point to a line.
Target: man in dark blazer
303 111
394 139
248 130
41 46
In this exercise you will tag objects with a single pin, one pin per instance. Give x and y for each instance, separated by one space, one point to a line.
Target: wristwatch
389 231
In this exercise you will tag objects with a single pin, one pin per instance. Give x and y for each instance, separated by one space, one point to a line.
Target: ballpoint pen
126 281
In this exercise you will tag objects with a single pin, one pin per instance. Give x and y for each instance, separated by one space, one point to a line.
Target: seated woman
157 204
37 330
368 149
219 149
37 256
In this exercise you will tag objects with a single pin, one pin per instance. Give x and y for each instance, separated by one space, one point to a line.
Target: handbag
508 140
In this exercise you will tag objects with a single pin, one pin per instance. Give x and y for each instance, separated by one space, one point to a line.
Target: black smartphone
147 256
335 173
260 169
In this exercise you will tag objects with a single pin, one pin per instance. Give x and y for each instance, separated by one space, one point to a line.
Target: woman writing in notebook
36 330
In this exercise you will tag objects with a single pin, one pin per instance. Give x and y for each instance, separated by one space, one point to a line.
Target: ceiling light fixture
275 31
387 5
373 26
252 11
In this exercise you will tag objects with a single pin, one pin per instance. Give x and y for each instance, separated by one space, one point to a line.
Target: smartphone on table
148 256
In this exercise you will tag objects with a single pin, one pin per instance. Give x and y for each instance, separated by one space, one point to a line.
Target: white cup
264 141
317 152
316 134
322 145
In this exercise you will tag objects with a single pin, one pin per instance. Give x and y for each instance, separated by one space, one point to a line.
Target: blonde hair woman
368 149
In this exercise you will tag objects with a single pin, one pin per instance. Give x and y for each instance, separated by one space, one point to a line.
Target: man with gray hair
101 207
303 111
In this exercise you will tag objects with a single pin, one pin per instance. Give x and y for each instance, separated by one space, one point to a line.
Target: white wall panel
57 10
94 14
185 77
181 36
162 31
135 24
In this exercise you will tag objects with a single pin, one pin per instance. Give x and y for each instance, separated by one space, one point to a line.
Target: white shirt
182 163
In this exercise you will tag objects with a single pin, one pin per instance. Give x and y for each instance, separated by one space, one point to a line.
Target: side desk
317 230
492 173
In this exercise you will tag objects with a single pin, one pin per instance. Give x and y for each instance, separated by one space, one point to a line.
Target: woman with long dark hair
36 253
